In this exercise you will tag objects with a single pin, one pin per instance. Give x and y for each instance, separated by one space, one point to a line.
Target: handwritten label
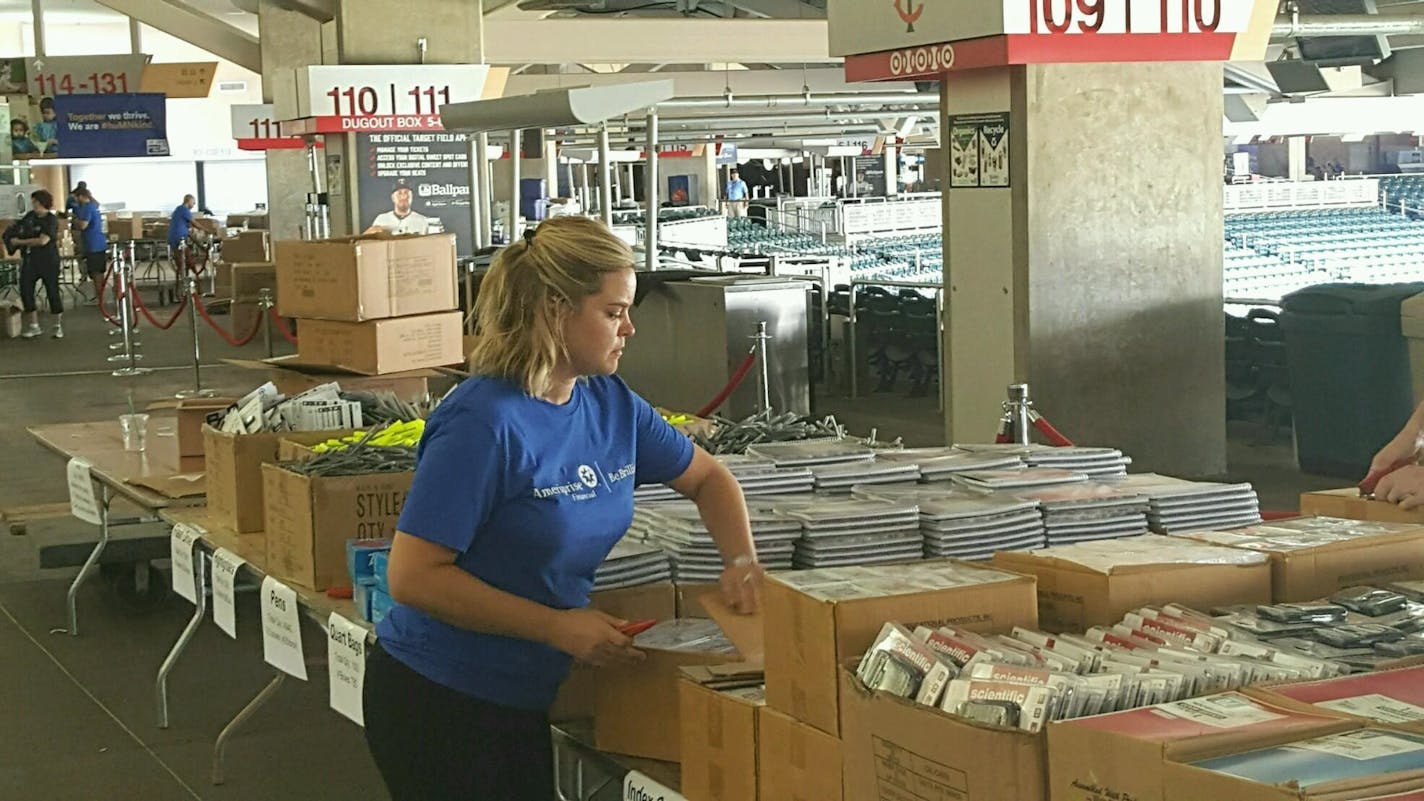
282 629
346 661
637 787
225 565
180 549
83 497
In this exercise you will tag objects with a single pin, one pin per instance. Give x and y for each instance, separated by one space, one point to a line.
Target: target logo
922 60
588 476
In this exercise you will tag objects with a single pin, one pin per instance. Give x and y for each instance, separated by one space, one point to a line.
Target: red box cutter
634 629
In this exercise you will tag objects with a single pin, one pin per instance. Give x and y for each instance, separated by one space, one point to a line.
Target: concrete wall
289 40
377 32
1124 273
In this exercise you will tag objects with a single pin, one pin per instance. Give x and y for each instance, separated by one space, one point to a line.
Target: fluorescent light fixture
555 108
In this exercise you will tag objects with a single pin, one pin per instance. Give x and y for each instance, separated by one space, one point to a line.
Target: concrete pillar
289 40
550 150
711 176
892 170
1296 159
1096 276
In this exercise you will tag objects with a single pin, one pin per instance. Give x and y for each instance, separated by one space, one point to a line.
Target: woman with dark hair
37 236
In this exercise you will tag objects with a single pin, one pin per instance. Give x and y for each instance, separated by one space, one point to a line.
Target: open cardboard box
234 472
191 416
796 762
1393 698
578 695
1348 504
720 731
292 376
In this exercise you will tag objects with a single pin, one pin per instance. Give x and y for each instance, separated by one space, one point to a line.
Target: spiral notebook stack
757 476
808 453
973 528
1096 462
1178 506
632 564
840 533
677 529
840 478
941 464
1085 512
1032 478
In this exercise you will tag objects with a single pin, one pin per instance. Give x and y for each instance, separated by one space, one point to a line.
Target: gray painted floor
77 714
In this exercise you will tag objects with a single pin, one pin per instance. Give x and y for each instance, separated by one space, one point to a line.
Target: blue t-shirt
47 131
94 239
737 190
180 225
532 496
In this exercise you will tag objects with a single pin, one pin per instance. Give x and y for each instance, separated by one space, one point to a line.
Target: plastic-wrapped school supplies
1085 512
1178 505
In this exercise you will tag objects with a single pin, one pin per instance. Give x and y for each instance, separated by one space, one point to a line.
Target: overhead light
555 108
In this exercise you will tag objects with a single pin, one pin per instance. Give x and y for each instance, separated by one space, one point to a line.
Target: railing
851 346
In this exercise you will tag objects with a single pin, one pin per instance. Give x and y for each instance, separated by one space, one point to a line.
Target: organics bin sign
112 126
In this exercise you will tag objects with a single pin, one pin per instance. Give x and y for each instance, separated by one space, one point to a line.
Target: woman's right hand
593 638
1401 451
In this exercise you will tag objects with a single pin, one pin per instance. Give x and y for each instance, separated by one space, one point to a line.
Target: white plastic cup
135 431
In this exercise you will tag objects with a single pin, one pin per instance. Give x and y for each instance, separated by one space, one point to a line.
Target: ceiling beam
655 41
184 22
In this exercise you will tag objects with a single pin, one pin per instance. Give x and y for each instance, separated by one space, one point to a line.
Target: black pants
96 263
32 270
432 743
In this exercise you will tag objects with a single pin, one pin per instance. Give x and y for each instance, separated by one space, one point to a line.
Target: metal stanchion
763 363
197 391
851 346
264 303
116 259
1019 409
126 320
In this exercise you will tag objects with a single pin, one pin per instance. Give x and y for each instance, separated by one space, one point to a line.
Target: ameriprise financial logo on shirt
586 488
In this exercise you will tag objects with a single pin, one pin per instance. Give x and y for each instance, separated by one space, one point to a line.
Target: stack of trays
941 464
807 453
1032 478
1096 462
974 527
840 533
756 475
677 529
632 564
1179 506
840 478
1084 512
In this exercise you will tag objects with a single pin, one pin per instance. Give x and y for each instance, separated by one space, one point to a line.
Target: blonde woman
524 484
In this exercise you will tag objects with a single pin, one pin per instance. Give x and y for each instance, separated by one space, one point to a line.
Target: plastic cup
135 431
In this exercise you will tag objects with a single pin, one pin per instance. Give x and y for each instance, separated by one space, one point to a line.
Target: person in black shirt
37 235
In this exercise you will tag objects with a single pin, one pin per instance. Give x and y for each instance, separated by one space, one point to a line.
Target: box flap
745 631
180 485
291 363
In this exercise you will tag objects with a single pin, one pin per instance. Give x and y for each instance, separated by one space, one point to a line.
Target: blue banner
111 126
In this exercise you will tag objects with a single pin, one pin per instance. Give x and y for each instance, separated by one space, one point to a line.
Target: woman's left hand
741 586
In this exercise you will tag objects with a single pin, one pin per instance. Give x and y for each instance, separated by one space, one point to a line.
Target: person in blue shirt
89 222
47 129
180 225
20 142
524 483
736 196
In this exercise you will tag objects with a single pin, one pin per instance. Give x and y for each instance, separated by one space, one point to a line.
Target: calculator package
1000 703
899 664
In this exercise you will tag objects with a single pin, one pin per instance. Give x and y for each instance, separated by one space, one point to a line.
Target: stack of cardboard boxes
372 304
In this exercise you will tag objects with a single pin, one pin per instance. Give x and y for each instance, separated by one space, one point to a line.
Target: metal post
126 319
231 728
1019 407
764 371
650 227
605 175
72 598
200 606
37 15
477 223
197 391
486 187
851 346
939 344
264 302
516 159
585 193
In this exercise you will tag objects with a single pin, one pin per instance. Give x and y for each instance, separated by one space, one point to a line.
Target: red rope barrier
736 381
236 343
281 326
1054 436
103 287
138 303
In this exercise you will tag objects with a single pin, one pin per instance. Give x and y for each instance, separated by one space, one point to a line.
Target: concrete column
551 163
605 177
516 161
38 23
711 176
1097 275
135 36
892 170
289 40
1297 160
651 194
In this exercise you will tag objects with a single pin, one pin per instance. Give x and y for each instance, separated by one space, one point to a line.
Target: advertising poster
416 183
108 126
679 190
870 176
979 150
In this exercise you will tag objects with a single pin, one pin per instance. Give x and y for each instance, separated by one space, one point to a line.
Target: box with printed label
1347 503
801 763
817 619
246 246
1347 766
1390 697
578 695
367 277
1095 584
384 346
310 518
719 709
1121 755
234 472
895 749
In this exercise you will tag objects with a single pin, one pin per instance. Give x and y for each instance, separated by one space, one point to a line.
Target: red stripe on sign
929 61
271 144
391 123
1110 48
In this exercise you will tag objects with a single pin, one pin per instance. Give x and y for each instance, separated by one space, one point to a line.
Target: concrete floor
77 714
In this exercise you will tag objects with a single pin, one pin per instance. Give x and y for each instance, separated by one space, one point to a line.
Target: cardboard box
1393 698
719 733
1074 598
897 750
1122 755
247 246
809 636
222 279
578 695
384 346
292 377
1309 574
234 473
250 278
1348 504
366 278
689 598
251 220
209 225
124 228
156 230
796 762
310 518
191 415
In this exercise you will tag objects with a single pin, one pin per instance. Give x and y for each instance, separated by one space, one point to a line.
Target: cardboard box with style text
719 732
366 278
1348 504
796 762
310 518
384 346
1121 755
1073 597
234 472
895 749
809 634
578 695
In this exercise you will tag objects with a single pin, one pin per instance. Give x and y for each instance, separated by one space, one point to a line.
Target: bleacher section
1403 192
1294 249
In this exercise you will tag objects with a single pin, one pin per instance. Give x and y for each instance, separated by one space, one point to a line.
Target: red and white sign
255 128
85 75
1071 31
333 99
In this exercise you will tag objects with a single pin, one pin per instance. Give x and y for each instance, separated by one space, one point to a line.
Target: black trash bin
1349 372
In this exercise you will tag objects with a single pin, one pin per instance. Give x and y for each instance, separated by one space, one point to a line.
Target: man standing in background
179 226
90 224
736 196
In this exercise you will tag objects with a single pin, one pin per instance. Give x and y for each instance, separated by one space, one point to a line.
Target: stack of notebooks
839 533
840 478
1178 505
941 464
808 453
677 529
1018 480
1096 462
756 475
632 564
973 528
1085 512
